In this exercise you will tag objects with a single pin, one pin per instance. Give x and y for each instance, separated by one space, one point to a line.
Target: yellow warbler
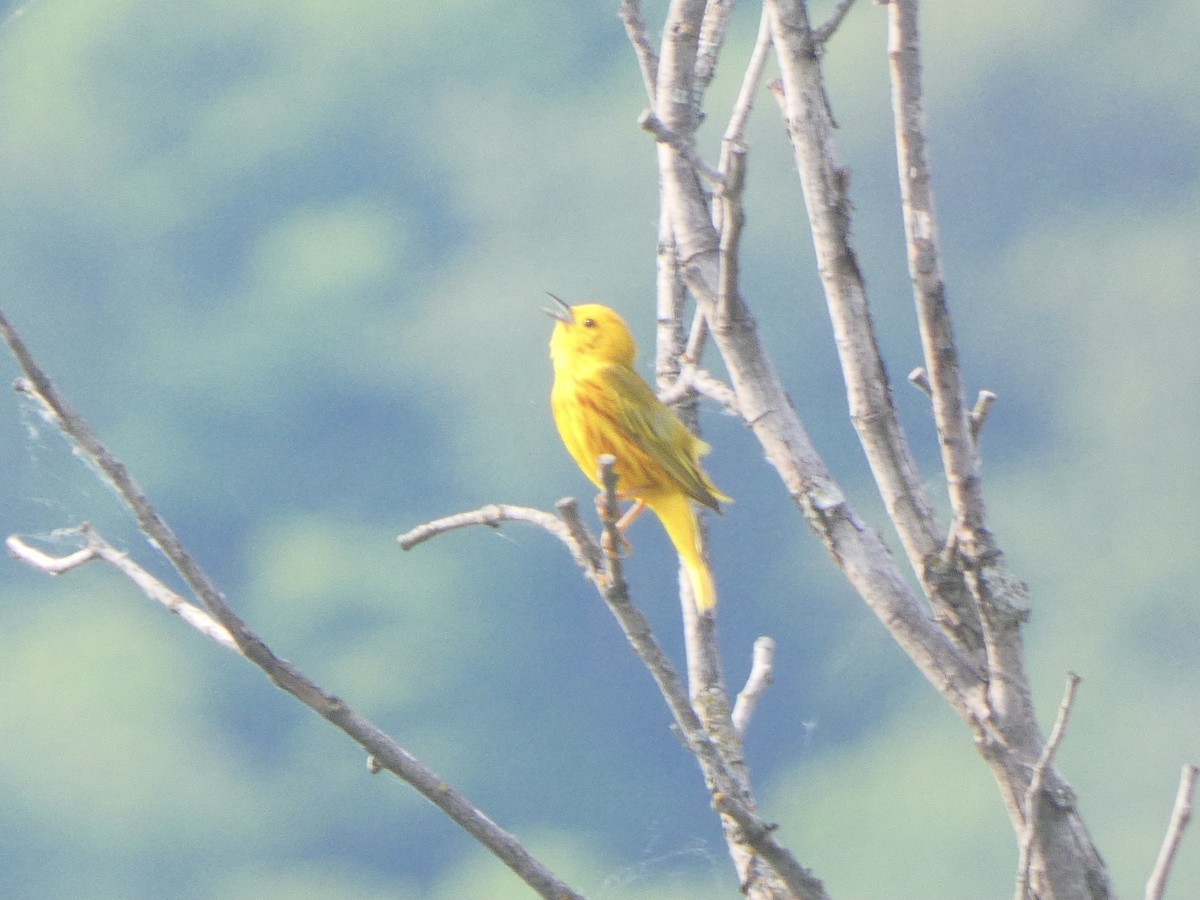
601 405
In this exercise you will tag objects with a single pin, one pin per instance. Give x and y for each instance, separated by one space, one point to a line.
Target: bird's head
589 331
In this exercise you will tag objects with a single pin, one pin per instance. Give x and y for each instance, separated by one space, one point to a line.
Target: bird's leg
624 548
639 507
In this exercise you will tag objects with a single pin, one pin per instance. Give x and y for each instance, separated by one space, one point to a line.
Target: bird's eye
589 323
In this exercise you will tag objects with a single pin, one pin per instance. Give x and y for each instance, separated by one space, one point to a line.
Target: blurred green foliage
287 258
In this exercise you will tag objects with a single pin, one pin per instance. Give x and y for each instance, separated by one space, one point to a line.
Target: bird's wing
656 431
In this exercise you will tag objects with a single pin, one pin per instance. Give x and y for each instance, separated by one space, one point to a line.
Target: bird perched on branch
601 405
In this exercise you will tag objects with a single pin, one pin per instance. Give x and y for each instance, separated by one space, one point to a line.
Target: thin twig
491 515
762 673
97 548
728 215
983 405
609 507
694 380
825 32
630 12
698 333
44 562
1181 815
566 526
736 130
649 121
919 379
382 748
1037 781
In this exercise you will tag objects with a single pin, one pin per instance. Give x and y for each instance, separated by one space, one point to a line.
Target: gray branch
762 673
1181 815
384 751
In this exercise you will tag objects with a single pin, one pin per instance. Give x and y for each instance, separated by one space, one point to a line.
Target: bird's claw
622 549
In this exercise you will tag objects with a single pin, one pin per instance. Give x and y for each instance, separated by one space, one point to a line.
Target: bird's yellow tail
679 519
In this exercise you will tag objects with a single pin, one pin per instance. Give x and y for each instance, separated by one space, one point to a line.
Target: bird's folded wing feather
658 433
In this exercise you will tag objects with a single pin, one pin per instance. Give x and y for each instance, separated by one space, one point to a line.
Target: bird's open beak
562 312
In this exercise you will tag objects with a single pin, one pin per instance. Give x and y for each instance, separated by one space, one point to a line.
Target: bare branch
919 379
630 12
825 180
1181 815
491 515
566 526
925 268
670 301
610 514
735 131
649 121
983 405
97 548
694 380
728 215
706 384
833 23
729 796
382 749
51 565
762 673
568 511
1033 798
713 29
766 407
697 336
38 387
732 219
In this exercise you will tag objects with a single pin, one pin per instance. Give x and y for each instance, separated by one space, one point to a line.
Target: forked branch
729 796
225 626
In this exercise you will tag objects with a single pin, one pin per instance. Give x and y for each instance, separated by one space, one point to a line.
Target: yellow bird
601 405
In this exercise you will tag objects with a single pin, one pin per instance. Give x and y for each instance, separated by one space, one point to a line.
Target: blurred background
288 257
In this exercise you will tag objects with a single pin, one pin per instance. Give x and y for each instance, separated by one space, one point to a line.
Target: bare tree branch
51 565
751 80
732 218
713 28
833 23
97 548
730 796
1037 782
593 563
764 403
582 548
694 380
1181 815
384 750
924 262
919 379
764 873
979 414
648 121
762 673
825 181
491 515
635 27
1062 860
